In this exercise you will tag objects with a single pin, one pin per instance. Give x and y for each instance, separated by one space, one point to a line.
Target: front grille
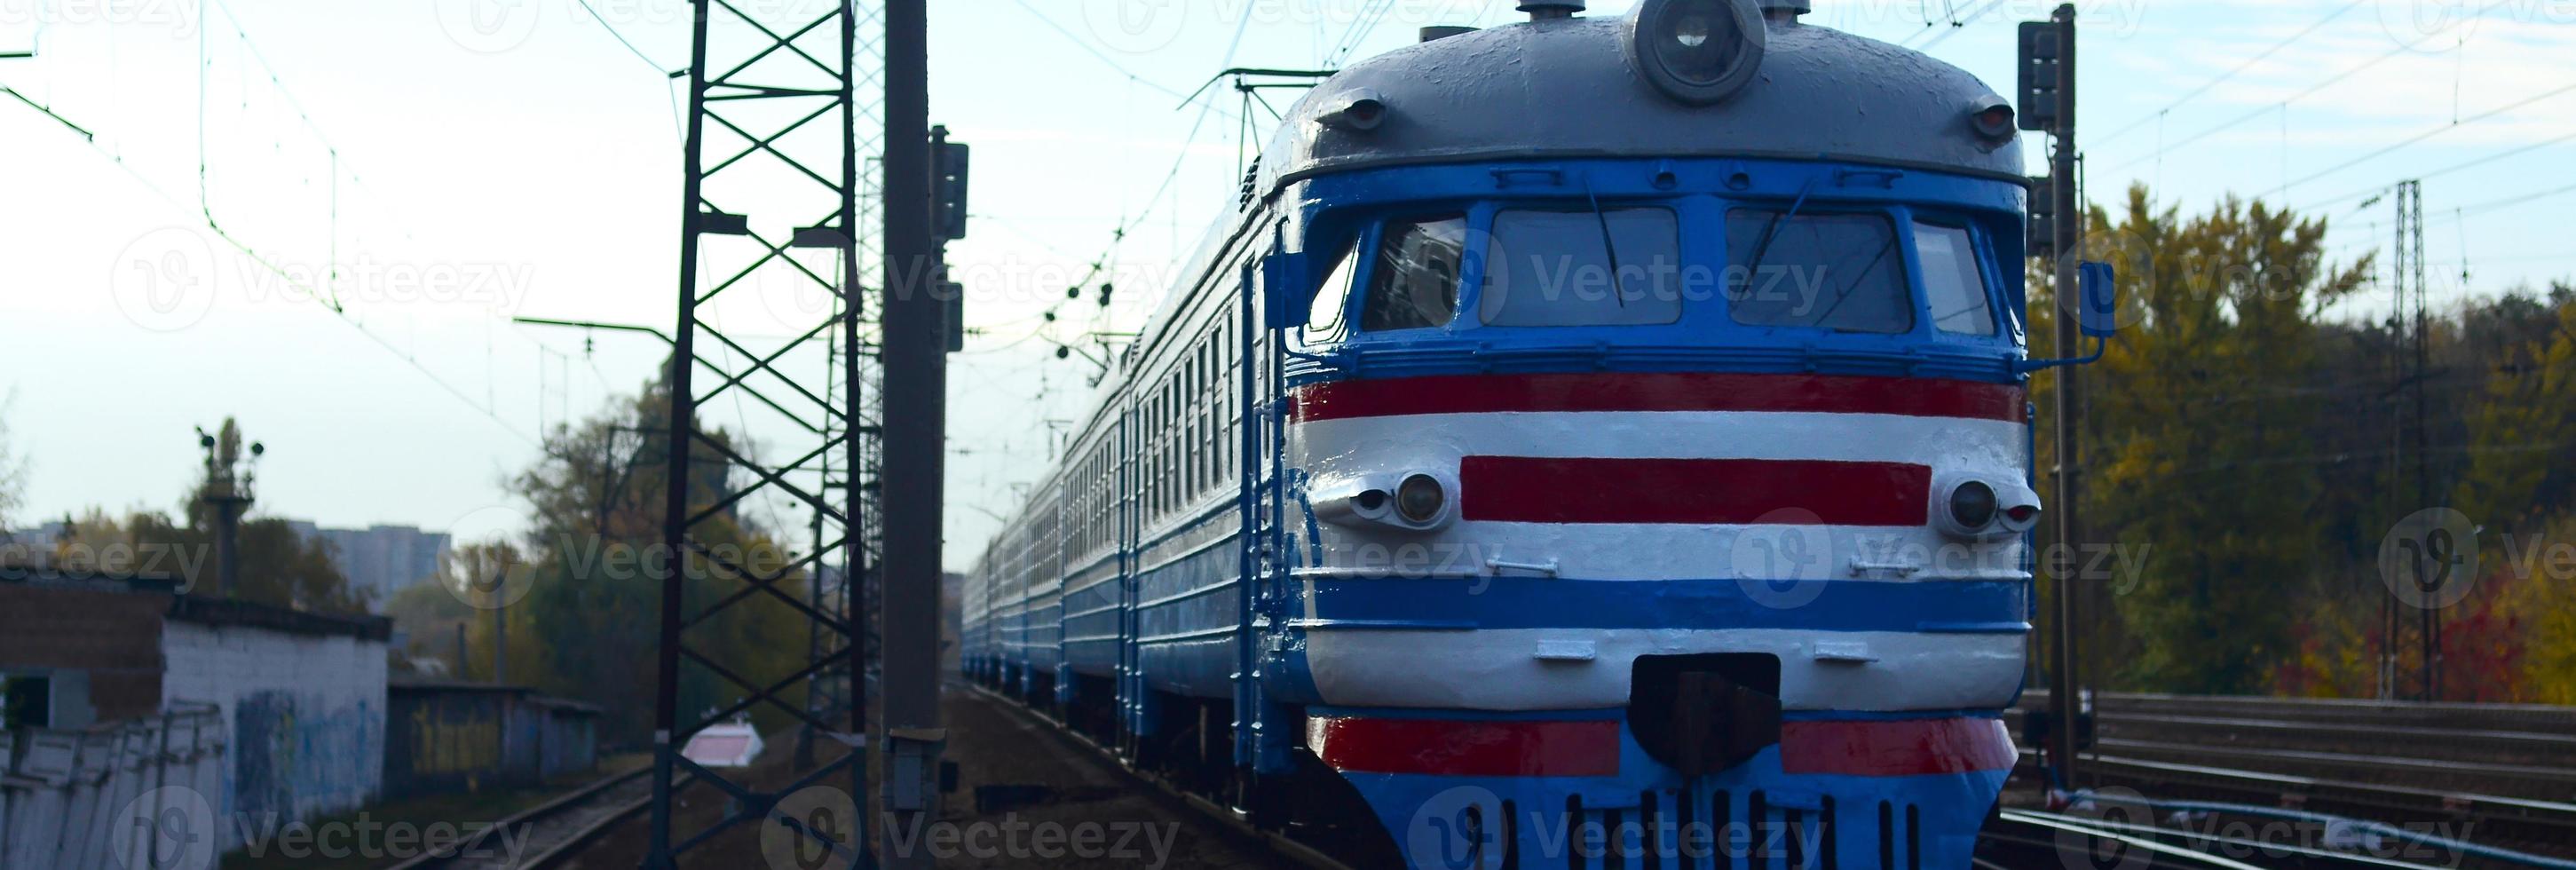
1660 834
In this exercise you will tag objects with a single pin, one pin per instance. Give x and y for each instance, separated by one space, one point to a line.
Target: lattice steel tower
783 114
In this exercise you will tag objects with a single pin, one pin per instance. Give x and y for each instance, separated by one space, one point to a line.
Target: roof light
1695 51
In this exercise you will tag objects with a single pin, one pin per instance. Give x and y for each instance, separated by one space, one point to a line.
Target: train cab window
1582 268
1952 283
1324 313
1829 271
1415 282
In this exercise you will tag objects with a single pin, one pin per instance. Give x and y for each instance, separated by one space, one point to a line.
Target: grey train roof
1564 88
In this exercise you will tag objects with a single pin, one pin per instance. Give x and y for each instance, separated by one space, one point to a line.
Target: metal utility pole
775 131
500 629
915 394
2048 103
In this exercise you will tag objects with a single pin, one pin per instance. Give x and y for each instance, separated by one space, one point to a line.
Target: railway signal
2046 85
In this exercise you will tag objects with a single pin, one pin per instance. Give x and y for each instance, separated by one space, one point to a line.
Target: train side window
1553 268
1829 271
1952 283
1415 282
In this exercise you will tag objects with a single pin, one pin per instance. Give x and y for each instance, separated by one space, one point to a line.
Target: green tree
586 623
2188 419
2522 462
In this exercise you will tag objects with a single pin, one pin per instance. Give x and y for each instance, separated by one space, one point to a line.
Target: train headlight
1419 500
1972 505
1695 51
1981 508
1406 501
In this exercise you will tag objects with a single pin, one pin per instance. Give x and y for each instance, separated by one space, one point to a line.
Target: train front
1661 431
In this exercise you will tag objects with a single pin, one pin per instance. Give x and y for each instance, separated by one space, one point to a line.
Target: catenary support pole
915 421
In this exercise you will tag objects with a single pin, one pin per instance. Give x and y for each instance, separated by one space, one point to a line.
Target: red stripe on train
1907 747
1722 491
1459 748
1658 391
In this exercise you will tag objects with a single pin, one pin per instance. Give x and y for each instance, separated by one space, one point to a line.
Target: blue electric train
1591 442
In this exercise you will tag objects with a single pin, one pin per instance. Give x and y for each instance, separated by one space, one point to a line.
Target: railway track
2018 839
1289 849
2492 774
547 834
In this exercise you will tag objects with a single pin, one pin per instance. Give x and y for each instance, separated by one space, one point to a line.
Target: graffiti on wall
296 755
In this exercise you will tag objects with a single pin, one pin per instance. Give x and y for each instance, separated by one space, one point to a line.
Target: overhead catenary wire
319 295
1957 22
2430 133
1099 55
630 45
2231 73
2265 109
2467 164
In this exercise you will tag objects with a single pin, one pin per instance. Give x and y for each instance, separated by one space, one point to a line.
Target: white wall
303 715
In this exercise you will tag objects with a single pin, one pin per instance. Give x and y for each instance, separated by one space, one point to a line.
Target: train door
1264 731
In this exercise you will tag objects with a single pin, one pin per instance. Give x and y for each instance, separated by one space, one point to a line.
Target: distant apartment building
380 560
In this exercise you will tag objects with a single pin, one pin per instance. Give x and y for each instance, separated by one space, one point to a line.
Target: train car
1593 441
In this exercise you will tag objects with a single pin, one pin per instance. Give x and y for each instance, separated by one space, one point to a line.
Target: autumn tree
2187 419
582 584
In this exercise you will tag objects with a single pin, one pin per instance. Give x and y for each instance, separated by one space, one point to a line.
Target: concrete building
294 702
380 560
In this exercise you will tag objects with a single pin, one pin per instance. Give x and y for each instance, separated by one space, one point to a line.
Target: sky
461 162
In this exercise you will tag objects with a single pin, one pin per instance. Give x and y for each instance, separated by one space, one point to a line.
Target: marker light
1419 499
1695 51
1992 118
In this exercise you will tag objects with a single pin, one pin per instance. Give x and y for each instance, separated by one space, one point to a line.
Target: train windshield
1414 283
1582 268
1829 271
1951 280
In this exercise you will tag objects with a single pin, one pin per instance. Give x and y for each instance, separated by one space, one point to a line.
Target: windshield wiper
1771 230
1618 279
